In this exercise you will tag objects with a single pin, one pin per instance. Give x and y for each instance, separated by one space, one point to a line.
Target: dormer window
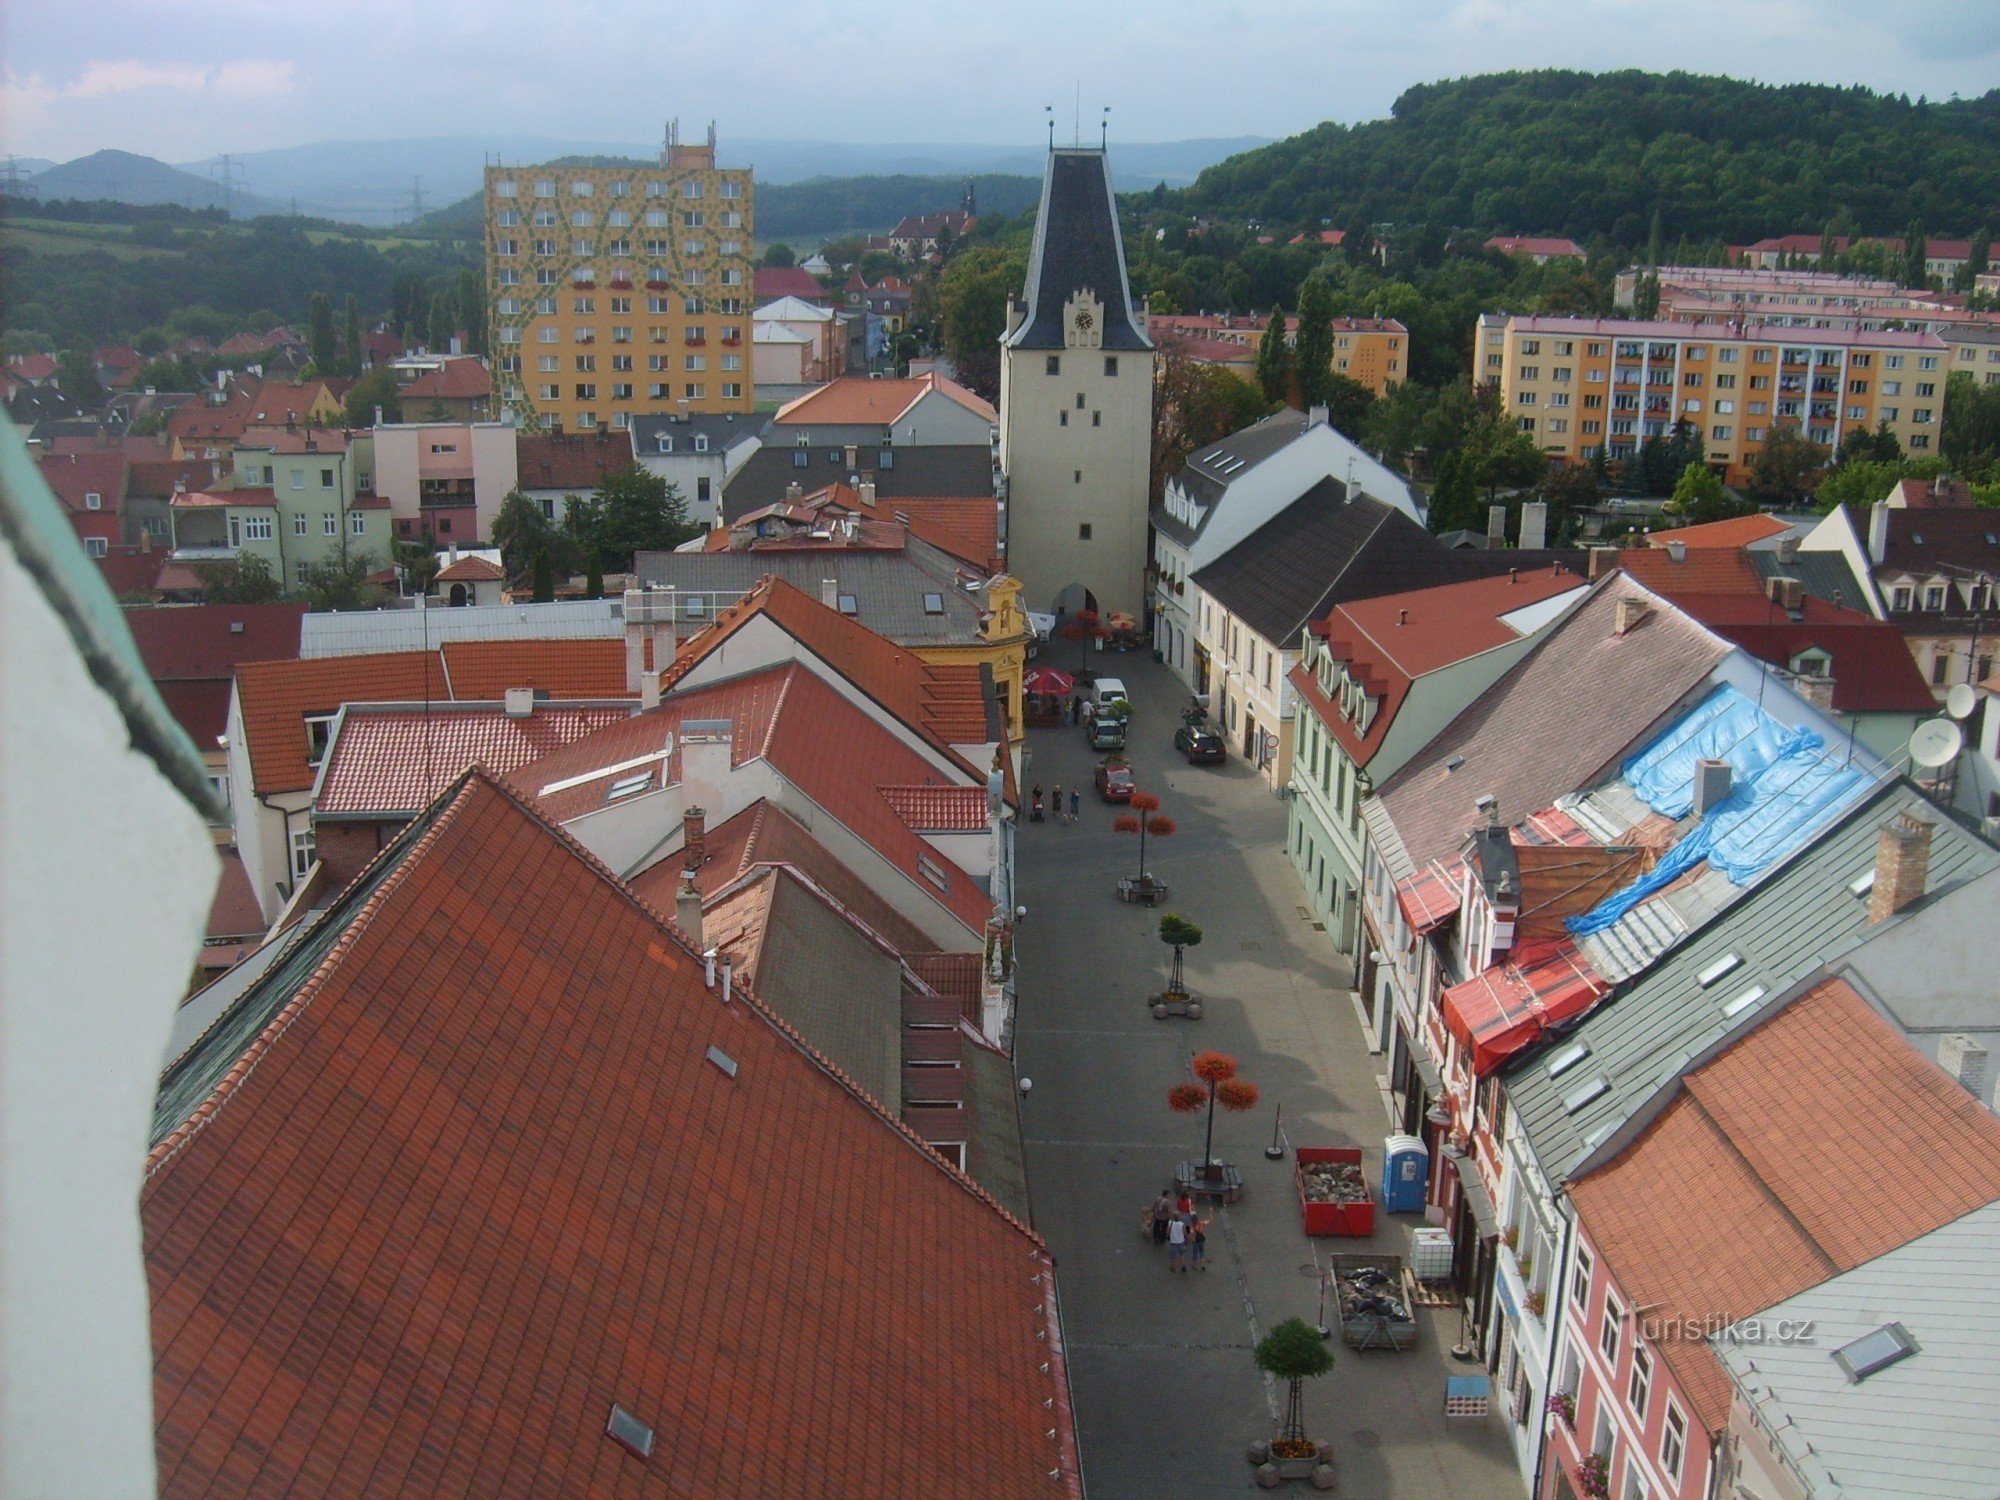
666 442
701 442
1812 664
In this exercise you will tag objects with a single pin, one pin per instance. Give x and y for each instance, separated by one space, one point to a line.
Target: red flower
1186 1098
1213 1067
1236 1094
1123 824
1145 802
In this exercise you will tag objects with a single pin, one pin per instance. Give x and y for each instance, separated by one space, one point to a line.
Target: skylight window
1593 1088
629 1433
848 606
722 1060
1745 1000
626 786
1717 970
1568 1058
1874 1352
934 604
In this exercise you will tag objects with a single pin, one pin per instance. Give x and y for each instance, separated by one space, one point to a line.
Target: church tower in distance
1076 404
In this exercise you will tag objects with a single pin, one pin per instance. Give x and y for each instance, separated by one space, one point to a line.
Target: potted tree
1218 1084
1178 933
1294 1353
1144 818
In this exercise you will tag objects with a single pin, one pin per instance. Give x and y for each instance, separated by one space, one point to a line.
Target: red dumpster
1334 1197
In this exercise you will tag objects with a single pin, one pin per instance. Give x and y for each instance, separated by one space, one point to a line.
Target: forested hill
1585 154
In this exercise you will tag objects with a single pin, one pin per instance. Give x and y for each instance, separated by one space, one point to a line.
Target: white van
1108 690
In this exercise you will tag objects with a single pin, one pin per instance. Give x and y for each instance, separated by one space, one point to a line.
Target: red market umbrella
1047 680
1119 620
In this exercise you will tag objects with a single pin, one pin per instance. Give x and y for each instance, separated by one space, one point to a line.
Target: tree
243 579
319 333
1699 498
373 392
1862 446
1178 933
634 510
351 365
1294 1353
417 311
779 254
1976 257
1511 462
470 303
1970 440
1219 1085
341 584
545 578
1196 404
1347 403
1313 351
593 578
1785 470
76 377
443 321
1142 820
1455 498
1274 359
1859 482
1393 428
418 564
1646 296
521 531
1916 255
972 306
1568 490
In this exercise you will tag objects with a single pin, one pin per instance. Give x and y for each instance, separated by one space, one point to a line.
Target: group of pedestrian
1055 804
1081 710
1184 1232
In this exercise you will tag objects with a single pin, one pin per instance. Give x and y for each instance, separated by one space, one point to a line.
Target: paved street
1167 1393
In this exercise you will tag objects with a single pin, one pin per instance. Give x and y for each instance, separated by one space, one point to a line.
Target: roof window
626 786
848 606
1720 968
629 1433
1862 884
723 1061
1592 1088
1874 1352
1568 1058
934 604
1745 1000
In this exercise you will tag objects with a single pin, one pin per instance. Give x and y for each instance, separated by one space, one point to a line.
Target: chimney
687 908
1316 416
1602 561
829 592
1711 784
1496 525
794 492
649 690
1535 525
520 703
705 746
1787 548
1902 862
694 839
1818 691
1629 613
1878 532
1677 552
1963 1058
868 492
851 453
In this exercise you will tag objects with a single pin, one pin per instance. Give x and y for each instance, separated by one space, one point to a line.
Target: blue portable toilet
1406 1170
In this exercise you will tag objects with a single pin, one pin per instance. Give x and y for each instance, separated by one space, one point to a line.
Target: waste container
1406 1170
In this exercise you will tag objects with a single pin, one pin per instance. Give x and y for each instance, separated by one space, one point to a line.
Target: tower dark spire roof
1077 248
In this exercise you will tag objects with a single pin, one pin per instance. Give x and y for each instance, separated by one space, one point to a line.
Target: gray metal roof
1924 1424
1801 918
1077 249
722 429
1936 975
1825 575
842 990
889 588
1210 470
357 632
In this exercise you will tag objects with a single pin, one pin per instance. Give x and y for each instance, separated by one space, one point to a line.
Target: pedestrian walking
1198 1242
1075 801
1035 806
1184 1204
1075 706
1055 801
1163 1210
1089 713
1177 1243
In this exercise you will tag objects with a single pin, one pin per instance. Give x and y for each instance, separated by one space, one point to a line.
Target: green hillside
1598 154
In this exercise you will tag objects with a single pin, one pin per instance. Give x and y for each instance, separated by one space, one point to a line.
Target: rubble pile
1333 1182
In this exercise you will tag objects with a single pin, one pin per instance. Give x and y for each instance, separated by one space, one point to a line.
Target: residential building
297 502
1975 350
1076 404
1376 680
106 867
444 481
612 288
550 467
918 235
1541 249
708 1080
90 487
1568 1099
695 455
1894 1382
1930 558
1704 1217
456 389
1796 299
1374 352
797 343
1225 492
1579 384
1942 258
150 487
771 283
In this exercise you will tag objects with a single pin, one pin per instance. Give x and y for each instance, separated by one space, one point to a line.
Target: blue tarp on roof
1782 788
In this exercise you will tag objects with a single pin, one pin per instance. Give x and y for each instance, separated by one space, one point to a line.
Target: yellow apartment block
616 292
1373 351
1576 384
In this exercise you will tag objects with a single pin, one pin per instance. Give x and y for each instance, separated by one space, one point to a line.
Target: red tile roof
211 640
967 527
1737 531
454 380
939 809
33 367
484 670
133 572
1872 668
772 282
423 1248
394 761
155 479
568 461
74 475
1776 1166
472 570
1701 570
234 912
252 498
855 400
1508 244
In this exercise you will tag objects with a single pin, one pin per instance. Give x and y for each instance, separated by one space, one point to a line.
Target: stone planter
1272 1471
1174 1003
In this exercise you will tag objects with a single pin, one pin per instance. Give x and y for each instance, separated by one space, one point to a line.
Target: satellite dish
1961 701
1936 743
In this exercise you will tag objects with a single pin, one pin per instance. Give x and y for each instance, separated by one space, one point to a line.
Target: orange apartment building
616 292
1577 384
1372 351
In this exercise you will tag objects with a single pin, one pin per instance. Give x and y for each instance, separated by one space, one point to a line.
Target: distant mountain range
381 182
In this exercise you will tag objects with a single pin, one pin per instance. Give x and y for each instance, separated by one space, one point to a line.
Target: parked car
1200 744
1106 733
1106 691
1114 780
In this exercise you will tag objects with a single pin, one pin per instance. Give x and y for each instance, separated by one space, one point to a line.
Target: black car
1200 743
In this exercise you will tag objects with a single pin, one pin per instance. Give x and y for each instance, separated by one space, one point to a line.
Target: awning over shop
1477 1198
1496 1013
1429 899
1427 1070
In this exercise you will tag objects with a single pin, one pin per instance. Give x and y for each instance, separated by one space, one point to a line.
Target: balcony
695 341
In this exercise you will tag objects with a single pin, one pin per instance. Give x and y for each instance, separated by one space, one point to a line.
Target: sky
185 80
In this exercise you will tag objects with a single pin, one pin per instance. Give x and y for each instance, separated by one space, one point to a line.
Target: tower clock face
1084 320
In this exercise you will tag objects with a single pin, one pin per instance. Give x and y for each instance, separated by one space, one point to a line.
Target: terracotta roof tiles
396 759
1737 531
423 1248
858 401
454 380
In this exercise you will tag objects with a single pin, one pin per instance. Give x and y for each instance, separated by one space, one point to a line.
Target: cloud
247 78
102 78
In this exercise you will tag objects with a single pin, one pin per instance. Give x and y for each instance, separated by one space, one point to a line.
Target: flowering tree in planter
1142 820
1178 933
1294 1353
1219 1085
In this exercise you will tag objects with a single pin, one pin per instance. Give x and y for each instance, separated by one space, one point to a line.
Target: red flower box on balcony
696 343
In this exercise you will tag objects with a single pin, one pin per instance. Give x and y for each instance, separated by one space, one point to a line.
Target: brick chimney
694 838
1602 561
1629 612
1818 691
1902 863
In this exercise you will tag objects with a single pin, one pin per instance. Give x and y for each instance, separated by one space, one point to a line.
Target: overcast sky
187 79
